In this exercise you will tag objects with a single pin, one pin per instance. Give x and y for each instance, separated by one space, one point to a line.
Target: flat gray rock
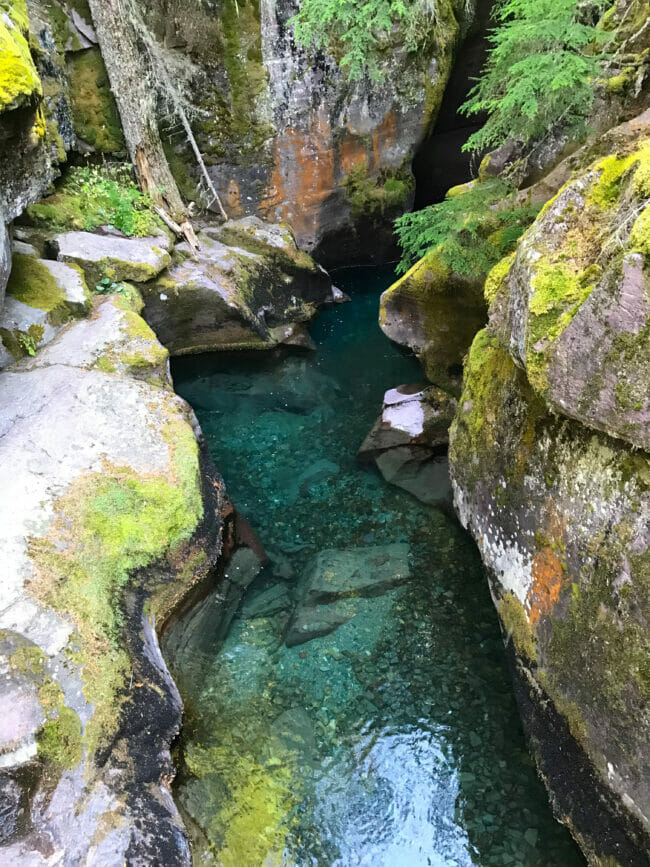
131 259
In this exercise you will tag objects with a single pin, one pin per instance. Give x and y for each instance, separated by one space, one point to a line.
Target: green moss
94 110
640 235
17 11
515 622
495 279
19 80
558 294
377 197
604 635
33 283
89 197
107 526
28 660
59 739
605 193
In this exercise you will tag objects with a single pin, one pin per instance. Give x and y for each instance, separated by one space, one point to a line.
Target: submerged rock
408 441
105 528
333 581
248 287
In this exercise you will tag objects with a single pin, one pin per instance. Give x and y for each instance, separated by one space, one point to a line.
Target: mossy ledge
113 535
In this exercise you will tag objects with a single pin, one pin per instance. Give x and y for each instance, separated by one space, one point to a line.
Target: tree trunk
135 95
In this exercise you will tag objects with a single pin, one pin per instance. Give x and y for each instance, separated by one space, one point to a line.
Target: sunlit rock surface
106 526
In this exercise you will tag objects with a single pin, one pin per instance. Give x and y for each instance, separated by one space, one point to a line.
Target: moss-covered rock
42 296
107 523
561 516
574 306
436 313
19 80
249 287
94 111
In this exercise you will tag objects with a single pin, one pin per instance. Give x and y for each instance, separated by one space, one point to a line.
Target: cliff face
288 137
551 476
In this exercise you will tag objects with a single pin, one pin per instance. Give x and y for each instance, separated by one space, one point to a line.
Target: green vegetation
356 33
373 198
471 230
542 64
94 111
515 622
19 80
91 196
107 526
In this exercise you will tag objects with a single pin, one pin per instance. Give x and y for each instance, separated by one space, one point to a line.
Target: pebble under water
394 740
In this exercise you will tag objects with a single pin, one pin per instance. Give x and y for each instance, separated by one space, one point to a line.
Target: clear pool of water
394 740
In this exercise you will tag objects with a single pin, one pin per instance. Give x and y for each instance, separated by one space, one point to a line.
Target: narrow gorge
325 432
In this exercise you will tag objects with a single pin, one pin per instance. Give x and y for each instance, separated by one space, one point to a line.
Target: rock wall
551 475
287 137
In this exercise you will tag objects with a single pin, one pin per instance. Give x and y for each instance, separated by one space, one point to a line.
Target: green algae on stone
515 621
19 79
107 526
95 114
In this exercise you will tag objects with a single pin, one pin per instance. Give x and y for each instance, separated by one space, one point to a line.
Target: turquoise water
394 740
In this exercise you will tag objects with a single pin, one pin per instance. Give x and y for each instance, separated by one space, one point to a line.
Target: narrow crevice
440 162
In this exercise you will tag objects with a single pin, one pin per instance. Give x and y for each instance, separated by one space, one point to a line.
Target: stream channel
394 740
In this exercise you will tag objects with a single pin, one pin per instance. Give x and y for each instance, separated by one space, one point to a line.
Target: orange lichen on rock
302 176
547 583
384 137
352 152
233 200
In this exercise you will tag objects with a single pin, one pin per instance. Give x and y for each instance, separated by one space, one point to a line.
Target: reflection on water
387 733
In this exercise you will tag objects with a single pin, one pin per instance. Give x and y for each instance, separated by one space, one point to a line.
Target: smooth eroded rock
107 256
106 526
408 441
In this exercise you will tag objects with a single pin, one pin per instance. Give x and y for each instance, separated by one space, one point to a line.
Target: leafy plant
92 196
27 342
357 33
543 61
106 286
470 230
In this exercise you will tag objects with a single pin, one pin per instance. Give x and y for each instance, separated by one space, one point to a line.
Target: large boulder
114 258
335 579
408 442
551 475
574 305
248 287
106 526
42 296
435 312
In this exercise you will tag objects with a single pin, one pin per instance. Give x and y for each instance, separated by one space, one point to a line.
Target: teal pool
393 740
